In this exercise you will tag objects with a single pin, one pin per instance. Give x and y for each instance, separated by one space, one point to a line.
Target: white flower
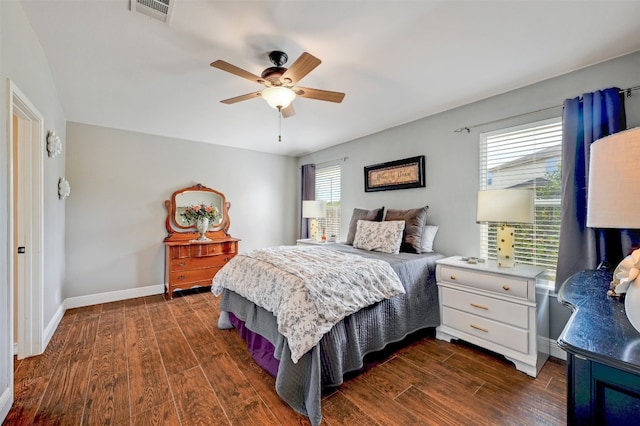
626 272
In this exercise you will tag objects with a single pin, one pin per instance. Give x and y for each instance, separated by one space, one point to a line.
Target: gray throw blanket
344 347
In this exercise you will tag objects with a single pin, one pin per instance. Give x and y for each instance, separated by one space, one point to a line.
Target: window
328 189
527 156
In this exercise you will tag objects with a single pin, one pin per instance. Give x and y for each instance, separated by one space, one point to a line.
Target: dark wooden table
603 354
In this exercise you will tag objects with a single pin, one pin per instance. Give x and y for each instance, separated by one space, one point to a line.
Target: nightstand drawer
500 284
495 309
486 329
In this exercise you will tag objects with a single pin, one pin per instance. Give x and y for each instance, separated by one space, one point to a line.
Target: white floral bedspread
309 289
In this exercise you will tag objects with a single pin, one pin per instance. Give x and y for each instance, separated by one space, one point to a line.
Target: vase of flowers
201 215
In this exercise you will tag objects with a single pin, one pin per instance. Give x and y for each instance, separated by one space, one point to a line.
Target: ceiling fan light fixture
278 97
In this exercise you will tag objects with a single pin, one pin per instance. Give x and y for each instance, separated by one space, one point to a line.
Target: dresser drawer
203 250
486 329
195 275
500 284
498 310
188 263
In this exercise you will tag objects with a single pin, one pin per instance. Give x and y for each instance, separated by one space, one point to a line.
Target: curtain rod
468 128
342 159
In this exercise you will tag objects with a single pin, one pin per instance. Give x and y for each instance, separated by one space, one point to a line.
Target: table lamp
314 209
614 202
506 206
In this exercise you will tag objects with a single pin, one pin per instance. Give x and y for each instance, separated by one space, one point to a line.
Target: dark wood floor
151 361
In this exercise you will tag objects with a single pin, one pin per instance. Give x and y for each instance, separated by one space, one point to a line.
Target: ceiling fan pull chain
279 126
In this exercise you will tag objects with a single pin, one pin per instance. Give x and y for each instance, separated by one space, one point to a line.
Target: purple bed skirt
261 349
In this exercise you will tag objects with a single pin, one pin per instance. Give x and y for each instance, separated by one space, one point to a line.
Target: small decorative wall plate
54 144
64 189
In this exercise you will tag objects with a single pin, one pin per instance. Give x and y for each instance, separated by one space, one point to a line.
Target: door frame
30 294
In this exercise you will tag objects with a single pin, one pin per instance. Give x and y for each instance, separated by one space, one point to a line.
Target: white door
24 304
27 222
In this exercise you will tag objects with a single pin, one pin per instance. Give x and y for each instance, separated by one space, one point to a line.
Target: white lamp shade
278 97
614 175
314 209
505 205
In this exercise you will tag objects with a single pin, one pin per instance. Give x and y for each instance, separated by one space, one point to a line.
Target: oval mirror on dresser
192 258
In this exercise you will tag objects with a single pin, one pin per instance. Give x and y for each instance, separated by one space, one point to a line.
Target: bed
302 372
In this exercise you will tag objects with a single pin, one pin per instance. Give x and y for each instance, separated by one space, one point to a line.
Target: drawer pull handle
181 264
475 305
181 277
506 287
477 327
453 277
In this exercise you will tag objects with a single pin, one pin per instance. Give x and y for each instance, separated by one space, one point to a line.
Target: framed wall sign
399 174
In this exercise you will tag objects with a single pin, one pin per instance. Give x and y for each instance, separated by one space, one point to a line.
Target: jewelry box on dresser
192 259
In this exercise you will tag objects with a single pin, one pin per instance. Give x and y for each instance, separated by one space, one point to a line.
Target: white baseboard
6 400
555 351
112 296
52 326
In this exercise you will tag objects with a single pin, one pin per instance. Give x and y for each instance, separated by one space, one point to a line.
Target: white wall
452 169
23 62
119 182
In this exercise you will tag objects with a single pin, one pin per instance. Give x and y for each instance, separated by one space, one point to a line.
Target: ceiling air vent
156 9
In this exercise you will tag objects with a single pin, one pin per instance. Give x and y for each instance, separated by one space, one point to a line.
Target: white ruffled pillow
385 236
428 235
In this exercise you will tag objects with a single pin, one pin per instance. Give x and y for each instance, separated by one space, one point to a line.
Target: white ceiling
397 61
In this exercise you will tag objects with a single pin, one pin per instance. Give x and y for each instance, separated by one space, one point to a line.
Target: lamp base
313 229
506 251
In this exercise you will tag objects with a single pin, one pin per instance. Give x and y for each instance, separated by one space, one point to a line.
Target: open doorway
26 272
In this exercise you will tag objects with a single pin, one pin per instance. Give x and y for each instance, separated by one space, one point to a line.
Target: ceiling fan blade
321 95
226 66
288 111
252 95
300 68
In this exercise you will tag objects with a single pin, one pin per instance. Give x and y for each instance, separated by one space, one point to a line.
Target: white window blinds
522 157
328 189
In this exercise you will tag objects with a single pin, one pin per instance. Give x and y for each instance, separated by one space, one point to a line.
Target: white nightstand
310 242
500 309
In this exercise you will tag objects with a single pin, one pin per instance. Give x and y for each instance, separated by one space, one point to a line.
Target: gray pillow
361 214
414 226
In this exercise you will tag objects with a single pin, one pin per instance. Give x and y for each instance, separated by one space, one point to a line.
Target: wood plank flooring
151 361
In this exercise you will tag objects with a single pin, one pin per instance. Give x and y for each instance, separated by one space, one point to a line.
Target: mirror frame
173 227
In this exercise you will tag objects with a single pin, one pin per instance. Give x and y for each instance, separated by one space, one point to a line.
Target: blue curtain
585 120
308 179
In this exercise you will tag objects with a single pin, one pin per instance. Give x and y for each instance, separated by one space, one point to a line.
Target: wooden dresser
193 264
190 261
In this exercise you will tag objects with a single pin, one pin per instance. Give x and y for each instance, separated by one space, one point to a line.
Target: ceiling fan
281 83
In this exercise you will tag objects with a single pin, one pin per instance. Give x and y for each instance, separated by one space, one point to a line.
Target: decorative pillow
428 235
414 225
361 214
379 236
